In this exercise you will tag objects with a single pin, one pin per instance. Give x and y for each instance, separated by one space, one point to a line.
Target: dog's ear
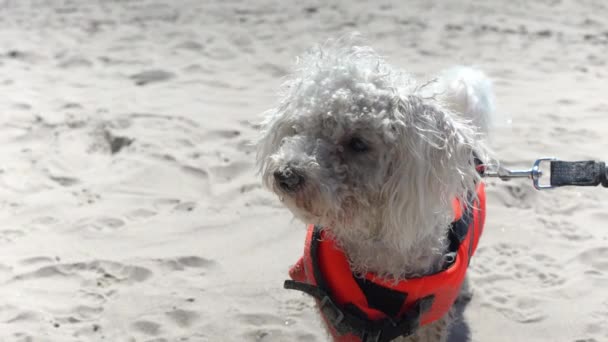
468 91
432 164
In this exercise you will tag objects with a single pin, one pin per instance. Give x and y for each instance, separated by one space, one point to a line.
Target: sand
131 210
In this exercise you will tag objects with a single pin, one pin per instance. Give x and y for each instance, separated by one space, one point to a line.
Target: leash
562 173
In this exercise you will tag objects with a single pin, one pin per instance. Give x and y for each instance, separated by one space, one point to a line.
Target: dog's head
355 147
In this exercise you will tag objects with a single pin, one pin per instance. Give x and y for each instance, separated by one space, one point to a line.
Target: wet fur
389 208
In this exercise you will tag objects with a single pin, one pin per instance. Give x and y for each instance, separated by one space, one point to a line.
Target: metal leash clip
535 173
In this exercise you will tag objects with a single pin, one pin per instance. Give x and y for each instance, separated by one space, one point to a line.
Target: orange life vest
361 309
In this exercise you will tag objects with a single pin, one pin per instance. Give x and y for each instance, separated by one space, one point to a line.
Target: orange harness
362 309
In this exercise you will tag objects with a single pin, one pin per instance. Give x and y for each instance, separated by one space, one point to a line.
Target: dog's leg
466 293
434 332
440 330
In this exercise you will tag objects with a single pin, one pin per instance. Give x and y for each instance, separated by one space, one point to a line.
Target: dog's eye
358 145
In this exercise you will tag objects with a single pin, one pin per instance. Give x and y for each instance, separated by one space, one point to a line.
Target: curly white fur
389 207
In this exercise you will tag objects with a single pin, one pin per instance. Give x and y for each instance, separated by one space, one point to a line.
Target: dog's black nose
288 179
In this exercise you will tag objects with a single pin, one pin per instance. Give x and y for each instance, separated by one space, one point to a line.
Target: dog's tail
469 91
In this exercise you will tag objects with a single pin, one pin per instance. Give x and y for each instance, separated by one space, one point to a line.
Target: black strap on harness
348 319
579 173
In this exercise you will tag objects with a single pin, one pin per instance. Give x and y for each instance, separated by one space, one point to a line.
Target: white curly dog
359 148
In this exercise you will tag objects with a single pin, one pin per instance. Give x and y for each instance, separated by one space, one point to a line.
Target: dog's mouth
302 200
298 196
313 207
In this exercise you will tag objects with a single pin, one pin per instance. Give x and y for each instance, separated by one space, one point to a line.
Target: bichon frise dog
384 171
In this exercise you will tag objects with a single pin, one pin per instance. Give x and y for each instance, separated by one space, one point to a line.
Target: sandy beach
131 208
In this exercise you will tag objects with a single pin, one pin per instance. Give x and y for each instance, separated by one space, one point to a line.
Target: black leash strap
563 173
579 173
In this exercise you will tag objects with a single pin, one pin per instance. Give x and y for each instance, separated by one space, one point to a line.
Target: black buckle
331 311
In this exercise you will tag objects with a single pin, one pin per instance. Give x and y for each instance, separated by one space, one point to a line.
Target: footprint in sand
10 235
273 334
86 197
152 76
147 327
188 262
298 305
596 325
564 229
183 318
22 106
195 261
596 259
246 146
75 62
94 273
155 142
16 315
257 319
89 285
252 125
65 181
520 196
505 275
37 260
222 134
229 171
219 50
169 204
164 203
93 283
565 205
116 143
151 120
245 188
196 172
190 45
185 206
141 213
42 223
518 309
103 223
86 312
529 270
24 56
271 327
79 134
273 70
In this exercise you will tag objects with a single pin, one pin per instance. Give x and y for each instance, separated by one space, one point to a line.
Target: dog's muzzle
288 179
